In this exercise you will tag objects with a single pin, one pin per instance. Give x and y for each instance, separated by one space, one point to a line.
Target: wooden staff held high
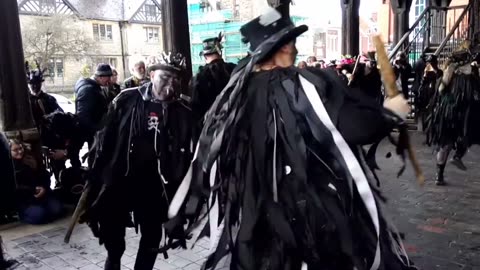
394 97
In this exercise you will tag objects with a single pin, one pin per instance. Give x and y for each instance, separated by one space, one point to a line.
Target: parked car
66 104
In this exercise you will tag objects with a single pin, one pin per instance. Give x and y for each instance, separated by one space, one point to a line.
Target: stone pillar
350 27
175 30
15 113
401 10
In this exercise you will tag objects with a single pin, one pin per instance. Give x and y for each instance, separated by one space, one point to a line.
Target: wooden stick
354 70
79 210
391 89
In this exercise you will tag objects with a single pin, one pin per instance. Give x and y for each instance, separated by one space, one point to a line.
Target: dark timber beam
401 10
175 30
439 3
350 27
15 113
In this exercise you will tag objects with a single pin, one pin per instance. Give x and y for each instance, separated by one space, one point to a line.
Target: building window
102 32
55 68
103 60
332 43
46 6
152 34
151 11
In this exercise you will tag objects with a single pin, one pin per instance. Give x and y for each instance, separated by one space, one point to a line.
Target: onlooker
7 183
114 87
311 61
34 196
91 107
322 64
403 71
302 64
139 77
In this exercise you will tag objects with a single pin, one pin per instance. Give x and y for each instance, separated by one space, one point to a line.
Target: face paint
165 84
36 87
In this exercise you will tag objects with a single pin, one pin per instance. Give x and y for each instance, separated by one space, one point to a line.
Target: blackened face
36 87
165 84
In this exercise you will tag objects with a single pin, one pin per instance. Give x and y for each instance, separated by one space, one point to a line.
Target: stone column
175 30
350 27
15 113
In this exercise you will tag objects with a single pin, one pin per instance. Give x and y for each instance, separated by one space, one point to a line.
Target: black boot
7 264
457 161
439 179
109 265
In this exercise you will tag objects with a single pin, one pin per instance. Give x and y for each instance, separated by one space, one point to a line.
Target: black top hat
104 70
268 32
212 45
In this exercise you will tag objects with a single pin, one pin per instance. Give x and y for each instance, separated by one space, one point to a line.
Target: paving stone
91 267
163 265
192 266
55 262
440 224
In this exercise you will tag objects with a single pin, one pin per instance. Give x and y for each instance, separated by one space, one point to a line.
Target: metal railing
459 33
437 30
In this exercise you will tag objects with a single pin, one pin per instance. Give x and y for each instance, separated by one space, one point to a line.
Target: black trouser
150 225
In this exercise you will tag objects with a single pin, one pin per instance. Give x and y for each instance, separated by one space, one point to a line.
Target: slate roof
115 10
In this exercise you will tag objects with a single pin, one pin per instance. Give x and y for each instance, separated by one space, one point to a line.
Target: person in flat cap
209 81
91 106
281 166
143 154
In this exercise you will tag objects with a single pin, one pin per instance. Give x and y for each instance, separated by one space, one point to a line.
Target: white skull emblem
153 122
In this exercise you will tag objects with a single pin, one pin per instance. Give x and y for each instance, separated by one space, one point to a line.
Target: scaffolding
209 23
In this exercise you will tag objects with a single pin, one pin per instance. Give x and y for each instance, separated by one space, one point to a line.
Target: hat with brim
211 46
269 32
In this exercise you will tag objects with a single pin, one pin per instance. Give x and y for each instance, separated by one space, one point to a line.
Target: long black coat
206 85
284 174
113 174
43 104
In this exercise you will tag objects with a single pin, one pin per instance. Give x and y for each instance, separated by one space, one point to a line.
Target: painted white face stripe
353 165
